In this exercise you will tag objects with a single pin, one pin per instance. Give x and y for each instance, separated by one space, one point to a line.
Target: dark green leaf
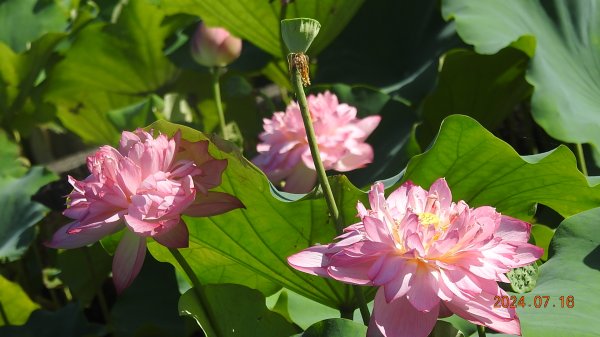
149 305
239 311
393 45
335 327
22 21
18 214
562 38
485 87
67 321
84 270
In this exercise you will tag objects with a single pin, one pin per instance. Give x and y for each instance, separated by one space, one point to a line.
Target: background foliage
496 96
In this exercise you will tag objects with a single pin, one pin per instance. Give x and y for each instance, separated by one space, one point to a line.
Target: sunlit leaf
10 165
128 64
572 270
483 170
258 21
15 303
20 109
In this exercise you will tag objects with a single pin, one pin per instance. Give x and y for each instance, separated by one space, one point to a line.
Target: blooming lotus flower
284 153
429 256
144 187
215 46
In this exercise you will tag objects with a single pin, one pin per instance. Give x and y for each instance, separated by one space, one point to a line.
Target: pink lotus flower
430 256
144 187
284 153
215 47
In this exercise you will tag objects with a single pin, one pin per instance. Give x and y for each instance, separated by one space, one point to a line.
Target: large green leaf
258 21
238 311
563 39
483 170
128 64
485 87
250 246
572 270
15 303
23 21
18 214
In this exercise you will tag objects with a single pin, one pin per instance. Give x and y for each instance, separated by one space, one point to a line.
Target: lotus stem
481 331
298 86
216 91
581 159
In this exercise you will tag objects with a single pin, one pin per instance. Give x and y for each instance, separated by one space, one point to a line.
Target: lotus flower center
426 218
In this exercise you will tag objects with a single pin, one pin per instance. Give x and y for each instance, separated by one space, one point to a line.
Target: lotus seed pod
298 34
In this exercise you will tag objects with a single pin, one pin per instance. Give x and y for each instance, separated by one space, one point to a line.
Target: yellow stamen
429 219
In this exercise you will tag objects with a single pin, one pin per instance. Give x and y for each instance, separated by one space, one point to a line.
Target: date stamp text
539 302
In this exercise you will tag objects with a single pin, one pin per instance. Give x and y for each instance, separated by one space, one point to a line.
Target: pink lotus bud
215 47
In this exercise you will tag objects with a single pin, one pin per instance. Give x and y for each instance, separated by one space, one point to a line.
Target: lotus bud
215 46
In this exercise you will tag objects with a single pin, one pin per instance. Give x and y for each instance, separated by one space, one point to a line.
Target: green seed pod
523 279
299 33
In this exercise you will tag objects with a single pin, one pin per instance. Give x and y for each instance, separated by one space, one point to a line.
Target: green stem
216 90
481 331
199 291
347 314
314 149
322 176
581 159
3 315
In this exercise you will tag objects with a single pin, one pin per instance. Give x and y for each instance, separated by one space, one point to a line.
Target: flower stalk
298 82
216 91
581 159
209 328
481 331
